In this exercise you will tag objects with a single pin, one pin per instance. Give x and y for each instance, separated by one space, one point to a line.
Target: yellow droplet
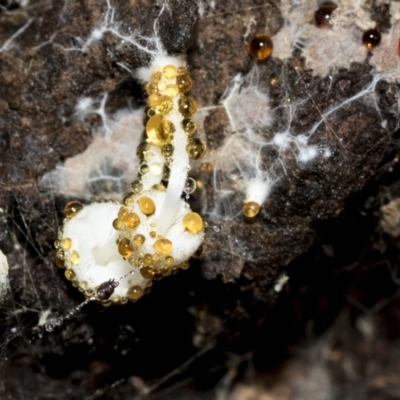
72 208
60 254
151 88
125 248
161 103
69 274
169 71
66 243
74 257
184 265
167 150
206 167
60 263
152 234
159 130
118 224
135 293
146 205
251 209
192 222
196 148
171 90
163 246
189 126
199 252
129 199
147 273
132 220
136 186
82 286
122 213
148 260
184 81
138 240
187 106
155 77
260 47
169 261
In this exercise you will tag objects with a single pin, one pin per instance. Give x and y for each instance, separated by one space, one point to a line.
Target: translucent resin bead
72 208
74 257
169 71
323 14
192 222
251 209
135 293
161 103
188 125
132 220
260 47
125 248
163 246
66 243
371 38
187 106
138 240
167 150
159 130
196 148
146 205
184 81
136 186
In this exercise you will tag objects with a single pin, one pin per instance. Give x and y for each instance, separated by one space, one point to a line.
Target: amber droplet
260 47
169 71
129 199
147 273
206 167
148 260
323 14
153 234
144 146
66 243
251 209
60 254
146 205
138 240
371 38
161 103
69 274
135 293
167 150
74 257
151 88
196 148
166 173
192 222
72 208
143 168
155 77
184 82
60 263
184 265
122 213
171 90
159 130
125 248
199 252
188 125
132 220
136 186
163 246
118 224
187 106
169 261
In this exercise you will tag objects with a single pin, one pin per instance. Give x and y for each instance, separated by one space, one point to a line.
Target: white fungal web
108 165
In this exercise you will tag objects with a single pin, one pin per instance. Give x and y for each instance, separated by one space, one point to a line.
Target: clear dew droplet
59 321
49 327
190 186
217 228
